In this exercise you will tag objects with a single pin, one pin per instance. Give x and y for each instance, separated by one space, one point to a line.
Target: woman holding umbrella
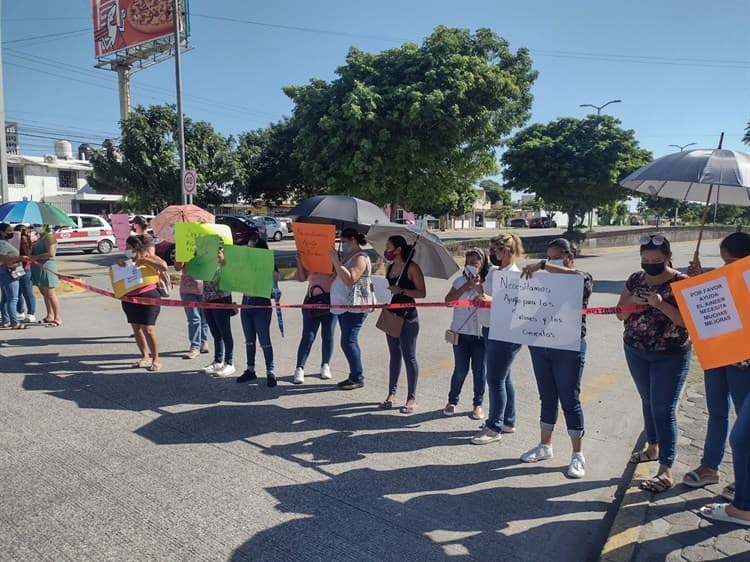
45 278
406 283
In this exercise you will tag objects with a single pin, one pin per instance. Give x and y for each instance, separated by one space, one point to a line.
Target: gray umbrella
429 251
341 210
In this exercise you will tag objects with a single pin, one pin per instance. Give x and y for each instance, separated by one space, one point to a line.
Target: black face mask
494 260
654 269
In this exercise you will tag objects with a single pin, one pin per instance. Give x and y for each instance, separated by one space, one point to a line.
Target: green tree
496 193
145 166
573 164
414 123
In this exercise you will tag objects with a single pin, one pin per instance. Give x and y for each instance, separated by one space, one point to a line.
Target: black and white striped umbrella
705 175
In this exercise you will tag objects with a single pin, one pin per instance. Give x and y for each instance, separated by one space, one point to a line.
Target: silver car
276 229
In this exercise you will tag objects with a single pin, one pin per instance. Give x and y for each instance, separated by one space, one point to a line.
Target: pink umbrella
163 223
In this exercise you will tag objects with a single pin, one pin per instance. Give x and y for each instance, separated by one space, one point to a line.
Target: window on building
15 175
68 180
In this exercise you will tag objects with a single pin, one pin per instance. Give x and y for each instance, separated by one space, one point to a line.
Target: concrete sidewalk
667 526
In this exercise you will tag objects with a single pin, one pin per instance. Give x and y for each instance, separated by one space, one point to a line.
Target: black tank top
404 283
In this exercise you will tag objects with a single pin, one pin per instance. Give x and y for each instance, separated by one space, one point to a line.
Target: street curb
622 540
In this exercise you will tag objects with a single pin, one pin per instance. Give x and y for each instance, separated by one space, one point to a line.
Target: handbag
451 336
17 271
164 285
322 298
390 322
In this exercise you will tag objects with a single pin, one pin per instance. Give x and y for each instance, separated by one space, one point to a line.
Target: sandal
141 363
154 367
408 408
54 323
641 456
18 327
656 485
385 405
718 512
5 325
693 479
728 492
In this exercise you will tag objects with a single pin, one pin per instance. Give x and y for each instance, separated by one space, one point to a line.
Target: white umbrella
428 250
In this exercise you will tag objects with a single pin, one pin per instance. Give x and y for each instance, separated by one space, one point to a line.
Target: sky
680 67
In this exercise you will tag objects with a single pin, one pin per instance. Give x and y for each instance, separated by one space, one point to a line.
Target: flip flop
718 512
656 485
693 480
641 456
154 367
408 408
54 323
18 327
141 363
385 405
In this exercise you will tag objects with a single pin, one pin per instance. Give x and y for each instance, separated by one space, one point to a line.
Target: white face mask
558 263
130 254
471 271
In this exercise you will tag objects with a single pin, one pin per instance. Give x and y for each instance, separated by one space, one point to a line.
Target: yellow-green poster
185 234
248 271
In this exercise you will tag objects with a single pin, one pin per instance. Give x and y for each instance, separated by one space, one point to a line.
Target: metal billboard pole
178 79
4 194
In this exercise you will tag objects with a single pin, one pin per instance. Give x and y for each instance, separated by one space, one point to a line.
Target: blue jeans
468 351
220 323
310 325
26 293
739 439
8 296
558 374
498 358
196 319
256 323
404 347
721 384
659 378
350 324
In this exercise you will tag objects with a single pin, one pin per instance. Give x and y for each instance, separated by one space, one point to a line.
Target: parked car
260 225
636 221
518 222
288 222
542 222
275 229
91 233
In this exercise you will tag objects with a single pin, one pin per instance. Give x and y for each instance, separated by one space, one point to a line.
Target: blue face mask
130 254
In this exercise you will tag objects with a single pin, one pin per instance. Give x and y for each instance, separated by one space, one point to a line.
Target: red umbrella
163 223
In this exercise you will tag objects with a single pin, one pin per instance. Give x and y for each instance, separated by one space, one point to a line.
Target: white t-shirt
484 313
465 318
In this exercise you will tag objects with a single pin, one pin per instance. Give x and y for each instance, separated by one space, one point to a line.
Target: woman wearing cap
352 286
505 250
558 372
657 350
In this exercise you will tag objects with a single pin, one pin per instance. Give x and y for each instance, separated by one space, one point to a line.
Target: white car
276 229
91 233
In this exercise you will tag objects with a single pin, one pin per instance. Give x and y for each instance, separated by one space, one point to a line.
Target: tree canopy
573 164
414 124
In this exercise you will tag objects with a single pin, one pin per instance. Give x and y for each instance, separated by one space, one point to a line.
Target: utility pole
178 79
125 91
4 194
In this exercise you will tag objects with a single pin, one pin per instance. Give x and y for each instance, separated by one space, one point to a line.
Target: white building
58 179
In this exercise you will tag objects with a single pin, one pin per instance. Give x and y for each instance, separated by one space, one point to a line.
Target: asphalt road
101 461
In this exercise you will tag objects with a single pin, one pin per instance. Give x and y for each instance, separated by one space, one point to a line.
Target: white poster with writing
712 308
129 273
542 311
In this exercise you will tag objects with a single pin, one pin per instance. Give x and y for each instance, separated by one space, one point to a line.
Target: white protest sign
128 273
712 308
542 311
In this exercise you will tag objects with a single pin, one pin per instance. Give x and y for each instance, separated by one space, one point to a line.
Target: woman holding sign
352 287
558 372
723 384
142 317
657 349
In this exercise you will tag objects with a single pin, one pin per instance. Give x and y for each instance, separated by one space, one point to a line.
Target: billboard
120 24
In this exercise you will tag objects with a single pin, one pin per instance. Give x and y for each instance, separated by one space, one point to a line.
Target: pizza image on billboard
120 24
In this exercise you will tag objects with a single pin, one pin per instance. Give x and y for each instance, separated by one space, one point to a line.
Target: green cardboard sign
248 271
205 264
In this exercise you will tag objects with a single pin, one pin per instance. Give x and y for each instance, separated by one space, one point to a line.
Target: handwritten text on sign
314 242
712 308
543 311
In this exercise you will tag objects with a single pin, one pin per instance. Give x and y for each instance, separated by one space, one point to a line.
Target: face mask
8 236
130 254
494 260
558 263
471 271
345 250
654 269
390 255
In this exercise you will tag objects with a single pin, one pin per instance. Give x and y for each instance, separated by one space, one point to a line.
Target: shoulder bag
321 298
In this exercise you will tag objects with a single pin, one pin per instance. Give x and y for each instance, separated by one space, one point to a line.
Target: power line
48 36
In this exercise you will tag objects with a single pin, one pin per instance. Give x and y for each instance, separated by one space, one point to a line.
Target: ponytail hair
356 235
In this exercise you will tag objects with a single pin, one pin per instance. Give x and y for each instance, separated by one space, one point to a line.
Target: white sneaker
20 316
299 375
577 466
325 372
212 368
225 371
485 436
30 318
538 453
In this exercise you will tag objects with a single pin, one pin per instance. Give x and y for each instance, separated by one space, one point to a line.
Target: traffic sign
189 182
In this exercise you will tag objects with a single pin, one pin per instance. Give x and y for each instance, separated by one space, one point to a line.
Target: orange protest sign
716 309
314 241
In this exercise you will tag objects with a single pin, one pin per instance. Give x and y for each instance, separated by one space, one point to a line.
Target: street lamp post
681 147
599 107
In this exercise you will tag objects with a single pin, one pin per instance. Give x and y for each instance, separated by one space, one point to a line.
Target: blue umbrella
32 212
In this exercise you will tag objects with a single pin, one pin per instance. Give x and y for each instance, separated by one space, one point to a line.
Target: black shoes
248 375
350 385
271 380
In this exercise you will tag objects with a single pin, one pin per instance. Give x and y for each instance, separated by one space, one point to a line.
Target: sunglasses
655 239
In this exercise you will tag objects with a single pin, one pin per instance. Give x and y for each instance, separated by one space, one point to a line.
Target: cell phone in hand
642 292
